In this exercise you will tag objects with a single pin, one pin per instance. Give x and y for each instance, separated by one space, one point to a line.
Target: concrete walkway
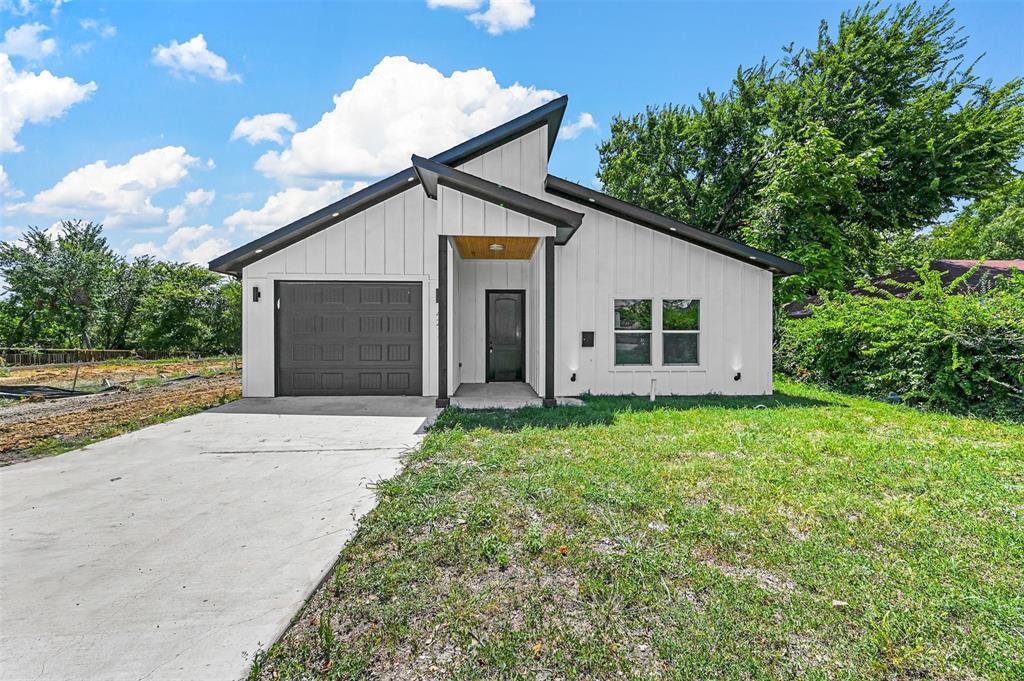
177 551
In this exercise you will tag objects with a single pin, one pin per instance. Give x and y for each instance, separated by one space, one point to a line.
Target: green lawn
822 536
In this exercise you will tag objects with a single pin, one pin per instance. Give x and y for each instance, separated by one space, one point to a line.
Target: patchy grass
821 536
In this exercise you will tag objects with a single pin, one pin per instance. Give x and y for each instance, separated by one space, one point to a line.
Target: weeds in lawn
823 536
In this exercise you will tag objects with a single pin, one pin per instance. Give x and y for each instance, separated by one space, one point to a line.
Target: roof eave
432 174
599 201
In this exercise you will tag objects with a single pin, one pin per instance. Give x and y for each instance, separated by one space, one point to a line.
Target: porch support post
549 322
442 321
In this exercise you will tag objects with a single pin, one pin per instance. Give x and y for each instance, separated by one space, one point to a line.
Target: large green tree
68 288
890 84
55 284
992 227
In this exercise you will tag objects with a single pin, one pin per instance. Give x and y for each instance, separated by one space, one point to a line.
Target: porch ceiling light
497 248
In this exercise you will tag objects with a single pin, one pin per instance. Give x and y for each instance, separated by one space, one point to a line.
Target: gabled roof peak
431 174
549 114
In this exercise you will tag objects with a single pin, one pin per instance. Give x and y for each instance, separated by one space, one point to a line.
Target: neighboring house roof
432 173
898 283
665 225
549 114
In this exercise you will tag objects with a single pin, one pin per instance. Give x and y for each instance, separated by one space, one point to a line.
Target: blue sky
189 128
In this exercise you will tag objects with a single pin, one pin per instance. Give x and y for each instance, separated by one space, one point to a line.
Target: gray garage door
349 338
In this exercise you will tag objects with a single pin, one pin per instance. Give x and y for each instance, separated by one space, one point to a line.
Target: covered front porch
496 278
495 340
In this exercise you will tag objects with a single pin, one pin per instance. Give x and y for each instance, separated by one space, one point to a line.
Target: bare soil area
31 429
115 371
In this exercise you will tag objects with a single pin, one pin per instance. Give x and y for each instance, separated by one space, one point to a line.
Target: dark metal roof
233 262
660 223
431 174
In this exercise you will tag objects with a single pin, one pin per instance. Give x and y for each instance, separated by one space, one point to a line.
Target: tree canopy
833 151
70 289
991 228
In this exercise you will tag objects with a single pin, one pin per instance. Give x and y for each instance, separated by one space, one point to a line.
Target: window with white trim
633 331
680 332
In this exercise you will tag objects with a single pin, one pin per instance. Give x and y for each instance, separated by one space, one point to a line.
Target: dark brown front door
506 336
349 338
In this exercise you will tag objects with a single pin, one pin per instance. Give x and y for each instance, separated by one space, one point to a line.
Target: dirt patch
769 581
125 371
27 425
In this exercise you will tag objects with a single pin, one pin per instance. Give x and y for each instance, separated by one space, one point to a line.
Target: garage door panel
350 338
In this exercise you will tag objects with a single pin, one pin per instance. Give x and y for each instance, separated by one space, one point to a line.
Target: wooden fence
35 356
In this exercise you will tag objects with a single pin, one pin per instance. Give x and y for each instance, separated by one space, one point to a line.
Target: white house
478 266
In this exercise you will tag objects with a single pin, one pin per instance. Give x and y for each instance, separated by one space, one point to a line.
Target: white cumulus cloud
264 128
399 108
571 131
289 205
499 17
186 244
504 15
18 7
193 58
5 185
27 97
100 26
24 41
118 194
198 197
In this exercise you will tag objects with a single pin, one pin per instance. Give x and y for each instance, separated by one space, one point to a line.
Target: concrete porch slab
501 396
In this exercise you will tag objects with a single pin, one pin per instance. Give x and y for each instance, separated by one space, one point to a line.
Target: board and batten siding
475 278
611 258
395 240
520 164
607 258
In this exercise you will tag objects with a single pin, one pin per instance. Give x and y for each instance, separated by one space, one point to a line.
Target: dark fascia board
680 230
431 174
549 114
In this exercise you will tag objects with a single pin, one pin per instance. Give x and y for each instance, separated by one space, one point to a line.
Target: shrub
933 347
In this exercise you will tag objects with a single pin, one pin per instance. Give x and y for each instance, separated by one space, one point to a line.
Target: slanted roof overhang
549 114
431 174
680 230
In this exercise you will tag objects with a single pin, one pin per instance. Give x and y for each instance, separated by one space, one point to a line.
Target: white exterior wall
396 240
611 258
521 165
474 278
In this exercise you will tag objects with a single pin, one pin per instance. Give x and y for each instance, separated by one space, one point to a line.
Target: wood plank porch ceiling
479 247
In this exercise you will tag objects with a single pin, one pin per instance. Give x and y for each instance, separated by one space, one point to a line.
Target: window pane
632 348
681 315
681 348
633 315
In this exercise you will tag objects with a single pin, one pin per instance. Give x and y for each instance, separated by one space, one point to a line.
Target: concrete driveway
177 551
